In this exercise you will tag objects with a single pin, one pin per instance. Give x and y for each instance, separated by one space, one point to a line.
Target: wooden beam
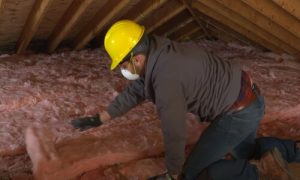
165 16
229 21
178 26
276 14
65 24
149 9
291 6
184 30
195 35
172 23
1 6
98 22
245 20
228 30
32 23
200 23
186 35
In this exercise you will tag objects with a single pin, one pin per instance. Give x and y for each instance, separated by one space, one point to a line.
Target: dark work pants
233 133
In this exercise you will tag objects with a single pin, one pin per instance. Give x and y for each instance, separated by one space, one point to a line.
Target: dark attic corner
158 89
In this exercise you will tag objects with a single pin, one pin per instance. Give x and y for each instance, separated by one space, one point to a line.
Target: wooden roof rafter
1 5
178 26
251 20
97 24
150 8
291 6
68 20
190 9
171 9
186 35
276 14
172 23
32 23
227 30
229 21
184 30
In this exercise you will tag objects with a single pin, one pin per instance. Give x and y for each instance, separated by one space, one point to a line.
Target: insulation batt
47 91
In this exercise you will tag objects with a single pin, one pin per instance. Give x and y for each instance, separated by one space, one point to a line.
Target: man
180 78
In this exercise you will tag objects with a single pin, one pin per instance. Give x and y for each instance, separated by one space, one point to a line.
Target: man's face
136 64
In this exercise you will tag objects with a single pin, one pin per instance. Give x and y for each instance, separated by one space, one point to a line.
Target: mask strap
131 56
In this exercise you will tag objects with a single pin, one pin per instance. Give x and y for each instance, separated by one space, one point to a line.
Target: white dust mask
128 75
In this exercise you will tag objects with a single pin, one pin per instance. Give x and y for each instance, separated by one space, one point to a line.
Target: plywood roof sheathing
262 25
229 21
98 23
291 6
276 14
33 21
70 17
165 16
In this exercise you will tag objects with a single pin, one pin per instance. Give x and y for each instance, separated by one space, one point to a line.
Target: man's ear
139 59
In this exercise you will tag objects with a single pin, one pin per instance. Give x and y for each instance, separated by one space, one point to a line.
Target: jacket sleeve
129 98
171 106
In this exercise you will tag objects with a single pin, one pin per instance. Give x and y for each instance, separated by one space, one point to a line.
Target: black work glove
164 176
86 122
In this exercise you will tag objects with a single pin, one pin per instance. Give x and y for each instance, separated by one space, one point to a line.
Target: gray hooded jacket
181 78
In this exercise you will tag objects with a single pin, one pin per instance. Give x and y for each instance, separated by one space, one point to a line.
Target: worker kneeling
180 78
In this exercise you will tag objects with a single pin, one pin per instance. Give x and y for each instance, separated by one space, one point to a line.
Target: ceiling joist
291 6
253 20
186 35
98 23
276 14
68 20
229 21
33 21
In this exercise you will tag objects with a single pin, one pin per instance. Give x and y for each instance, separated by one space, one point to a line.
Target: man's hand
164 176
87 122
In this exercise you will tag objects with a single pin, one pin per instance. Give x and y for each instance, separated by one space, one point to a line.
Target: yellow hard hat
120 39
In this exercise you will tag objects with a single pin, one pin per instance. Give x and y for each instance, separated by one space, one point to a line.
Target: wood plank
179 26
172 23
237 27
149 9
33 21
186 35
227 30
291 6
66 23
183 30
276 14
253 24
197 35
98 22
164 16
1 6
187 4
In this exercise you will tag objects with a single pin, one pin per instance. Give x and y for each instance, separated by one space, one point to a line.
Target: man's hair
142 47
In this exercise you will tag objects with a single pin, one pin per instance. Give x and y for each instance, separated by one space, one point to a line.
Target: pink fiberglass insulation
48 91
